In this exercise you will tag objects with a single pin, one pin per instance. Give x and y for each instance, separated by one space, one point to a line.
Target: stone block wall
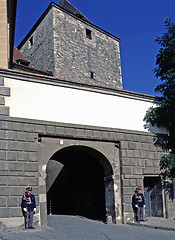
19 158
18 166
39 46
4 91
76 56
140 158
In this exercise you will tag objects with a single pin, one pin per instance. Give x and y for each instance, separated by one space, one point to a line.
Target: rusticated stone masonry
4 91
20 151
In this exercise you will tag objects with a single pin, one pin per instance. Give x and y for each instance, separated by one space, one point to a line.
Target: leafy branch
163 114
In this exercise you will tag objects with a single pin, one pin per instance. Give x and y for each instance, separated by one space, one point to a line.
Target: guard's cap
29 188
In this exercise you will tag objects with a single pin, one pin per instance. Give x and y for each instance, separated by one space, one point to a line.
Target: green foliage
157 115
163 114
166 61
167 164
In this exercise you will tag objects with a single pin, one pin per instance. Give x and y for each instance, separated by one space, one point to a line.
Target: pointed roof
70 8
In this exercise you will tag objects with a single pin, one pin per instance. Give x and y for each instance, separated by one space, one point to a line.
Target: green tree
163 114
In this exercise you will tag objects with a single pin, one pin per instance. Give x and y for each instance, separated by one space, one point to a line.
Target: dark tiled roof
18 57
70 8
22 63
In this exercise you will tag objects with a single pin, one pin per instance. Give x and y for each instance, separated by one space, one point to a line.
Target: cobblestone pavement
76 228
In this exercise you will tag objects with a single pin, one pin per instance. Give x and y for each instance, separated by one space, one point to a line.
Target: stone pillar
4 92
3 35
110 204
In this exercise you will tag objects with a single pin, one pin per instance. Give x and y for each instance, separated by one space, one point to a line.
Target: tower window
89 34
31 42
23 62
92 75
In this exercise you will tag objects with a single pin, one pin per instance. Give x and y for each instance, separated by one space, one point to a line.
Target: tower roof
70 8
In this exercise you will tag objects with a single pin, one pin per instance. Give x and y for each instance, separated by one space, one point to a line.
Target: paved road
76 228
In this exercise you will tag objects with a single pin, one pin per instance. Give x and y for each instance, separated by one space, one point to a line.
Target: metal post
50 207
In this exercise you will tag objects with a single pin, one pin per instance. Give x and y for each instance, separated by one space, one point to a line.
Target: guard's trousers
140 213
29 219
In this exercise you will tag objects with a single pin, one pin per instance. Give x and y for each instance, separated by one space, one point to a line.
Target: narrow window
23 62
89 34
92 75
31 42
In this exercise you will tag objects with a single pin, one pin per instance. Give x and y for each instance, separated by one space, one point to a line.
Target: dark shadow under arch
75 182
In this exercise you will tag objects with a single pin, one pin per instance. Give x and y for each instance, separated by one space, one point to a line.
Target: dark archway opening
153 197
75 183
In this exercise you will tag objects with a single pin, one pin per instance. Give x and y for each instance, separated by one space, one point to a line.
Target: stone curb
151 226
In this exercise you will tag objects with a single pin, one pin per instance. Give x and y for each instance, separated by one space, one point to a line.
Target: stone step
4 111
2 101
4 91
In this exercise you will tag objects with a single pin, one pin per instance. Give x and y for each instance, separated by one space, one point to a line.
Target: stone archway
79 182
105 154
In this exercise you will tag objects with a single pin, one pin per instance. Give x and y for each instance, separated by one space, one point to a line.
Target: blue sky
137 23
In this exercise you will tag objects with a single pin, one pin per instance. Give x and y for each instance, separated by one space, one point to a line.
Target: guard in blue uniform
140 204
135 209
28 207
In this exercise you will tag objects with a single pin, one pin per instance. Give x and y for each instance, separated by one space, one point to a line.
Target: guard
28 208
135 209
140 204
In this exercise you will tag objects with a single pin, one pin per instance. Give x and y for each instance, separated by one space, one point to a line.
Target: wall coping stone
74 126
31 77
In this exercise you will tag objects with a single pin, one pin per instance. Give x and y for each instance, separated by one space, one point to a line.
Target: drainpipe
165 199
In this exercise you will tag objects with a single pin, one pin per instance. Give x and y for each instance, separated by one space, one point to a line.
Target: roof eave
87 22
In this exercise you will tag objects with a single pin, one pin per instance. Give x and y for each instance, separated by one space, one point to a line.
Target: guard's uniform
140 202
134 197
29 207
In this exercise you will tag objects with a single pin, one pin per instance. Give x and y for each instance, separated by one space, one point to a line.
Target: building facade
83 147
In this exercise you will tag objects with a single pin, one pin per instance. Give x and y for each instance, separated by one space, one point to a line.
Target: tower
65 42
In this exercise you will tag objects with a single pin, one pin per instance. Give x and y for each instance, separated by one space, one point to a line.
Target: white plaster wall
62 104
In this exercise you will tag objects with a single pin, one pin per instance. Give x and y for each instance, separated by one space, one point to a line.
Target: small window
92 75
89 34
30 42
23 62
